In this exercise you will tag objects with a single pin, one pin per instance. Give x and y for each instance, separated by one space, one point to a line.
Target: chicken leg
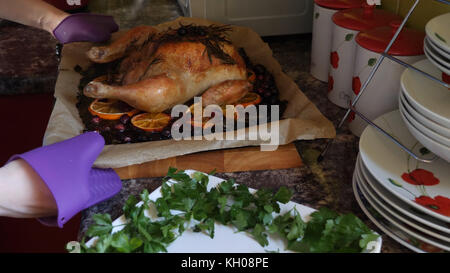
159 93
153 95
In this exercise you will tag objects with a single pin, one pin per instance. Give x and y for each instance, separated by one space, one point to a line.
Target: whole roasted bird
159 70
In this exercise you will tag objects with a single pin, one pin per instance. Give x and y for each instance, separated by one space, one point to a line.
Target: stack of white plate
408 200
423 103
425 108
437 42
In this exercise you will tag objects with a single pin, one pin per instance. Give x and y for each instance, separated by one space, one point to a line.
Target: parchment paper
301 119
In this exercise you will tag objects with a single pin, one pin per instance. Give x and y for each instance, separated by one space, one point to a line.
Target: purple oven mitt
66 169
85 27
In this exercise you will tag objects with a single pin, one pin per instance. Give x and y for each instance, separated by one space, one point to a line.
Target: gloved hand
66 169
85 27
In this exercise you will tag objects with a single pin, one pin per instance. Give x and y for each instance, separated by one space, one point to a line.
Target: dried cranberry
260 90
120 127
267 77
259 69
124 118
267 93
96 120
142 138
274 100
182 31
166 132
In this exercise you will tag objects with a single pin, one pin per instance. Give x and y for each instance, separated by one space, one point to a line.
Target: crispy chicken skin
136 36
156 76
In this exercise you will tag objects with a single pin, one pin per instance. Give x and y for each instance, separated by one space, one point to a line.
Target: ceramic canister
322 31
381 94
347 24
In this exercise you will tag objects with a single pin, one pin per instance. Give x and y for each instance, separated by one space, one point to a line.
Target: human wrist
52 20
24 193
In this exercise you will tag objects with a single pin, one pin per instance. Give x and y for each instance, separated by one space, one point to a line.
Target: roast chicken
158 70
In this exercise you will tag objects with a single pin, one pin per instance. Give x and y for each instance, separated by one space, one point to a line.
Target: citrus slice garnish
203 123
111 109
251 98
151 122
101 79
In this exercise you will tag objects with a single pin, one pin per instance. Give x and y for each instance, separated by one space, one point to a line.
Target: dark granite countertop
28 55
327 183
28 60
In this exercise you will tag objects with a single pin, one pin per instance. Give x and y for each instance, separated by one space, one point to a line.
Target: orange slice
101 79
110 109
250 98
151 122
203 123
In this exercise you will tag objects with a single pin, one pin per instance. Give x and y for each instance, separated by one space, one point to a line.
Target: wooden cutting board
229 160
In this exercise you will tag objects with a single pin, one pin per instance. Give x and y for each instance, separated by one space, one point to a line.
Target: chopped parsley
188 204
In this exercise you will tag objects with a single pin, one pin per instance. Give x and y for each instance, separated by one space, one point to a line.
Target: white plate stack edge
406 199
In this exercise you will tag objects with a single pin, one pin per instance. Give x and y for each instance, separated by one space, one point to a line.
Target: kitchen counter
314 184
327 183
28 60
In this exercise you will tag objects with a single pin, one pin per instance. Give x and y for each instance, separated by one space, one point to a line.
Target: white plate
428 97
438 49
424 120
437 148
442 237
386 161
408 230
381 223
423 129
436 61
226 238
437 30
399 205
436 54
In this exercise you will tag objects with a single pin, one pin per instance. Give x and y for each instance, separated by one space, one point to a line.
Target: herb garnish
189 205
211 36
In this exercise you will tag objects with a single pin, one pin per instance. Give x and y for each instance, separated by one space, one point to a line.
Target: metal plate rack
371 75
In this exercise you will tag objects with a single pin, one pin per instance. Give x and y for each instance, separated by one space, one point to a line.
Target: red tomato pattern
334 59
439 204
446 78
420 177
356 85
429 248
351 116
330 83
